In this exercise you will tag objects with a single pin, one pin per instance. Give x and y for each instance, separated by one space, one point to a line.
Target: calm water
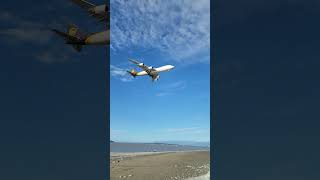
151 147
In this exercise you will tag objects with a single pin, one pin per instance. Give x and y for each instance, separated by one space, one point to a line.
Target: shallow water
204 177
151 147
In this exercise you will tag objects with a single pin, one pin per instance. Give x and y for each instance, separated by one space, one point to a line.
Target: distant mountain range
156 146
182 143
186 143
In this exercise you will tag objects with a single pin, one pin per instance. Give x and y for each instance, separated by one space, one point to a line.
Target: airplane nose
172 67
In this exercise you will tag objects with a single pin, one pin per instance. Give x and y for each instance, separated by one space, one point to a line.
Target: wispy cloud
25 32
183 130
189 130
117 134
5 16
55 55
180 28
26 35
179 85
161 94
172 88
119 73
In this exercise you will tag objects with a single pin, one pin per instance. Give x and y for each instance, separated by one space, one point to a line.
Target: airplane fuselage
100 38
149 70
164 68
155 70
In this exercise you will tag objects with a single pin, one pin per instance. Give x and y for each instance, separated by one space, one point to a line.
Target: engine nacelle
157 78
150 67
141 64
102 9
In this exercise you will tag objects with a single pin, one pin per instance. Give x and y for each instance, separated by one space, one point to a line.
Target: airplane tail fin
73 37
133 72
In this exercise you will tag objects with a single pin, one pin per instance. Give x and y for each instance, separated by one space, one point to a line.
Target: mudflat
159 166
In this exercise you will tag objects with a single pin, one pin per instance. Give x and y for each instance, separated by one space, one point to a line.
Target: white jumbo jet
149 70
75 38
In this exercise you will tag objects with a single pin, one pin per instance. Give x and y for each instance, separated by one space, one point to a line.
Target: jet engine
141 64
156 79
102 9
150 67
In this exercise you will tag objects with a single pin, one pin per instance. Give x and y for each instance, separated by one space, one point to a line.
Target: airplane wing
141 65
152 72
90 8
66 36
134 61
74 41
83 4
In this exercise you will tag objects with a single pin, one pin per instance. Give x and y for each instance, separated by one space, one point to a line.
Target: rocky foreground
159 166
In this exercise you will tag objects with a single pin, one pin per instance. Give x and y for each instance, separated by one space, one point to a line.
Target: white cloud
53 55
179 85
27 32
172 88
23 30
161 94
117 134
6 16
190 130
180 28
28 35
189 134
120 73
178 130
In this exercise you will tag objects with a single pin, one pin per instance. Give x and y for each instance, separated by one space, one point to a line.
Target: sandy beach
159 166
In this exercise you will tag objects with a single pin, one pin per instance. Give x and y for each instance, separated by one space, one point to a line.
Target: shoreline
114 154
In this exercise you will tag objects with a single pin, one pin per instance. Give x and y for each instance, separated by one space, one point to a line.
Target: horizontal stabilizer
66 36
133 72
71 38
84 4
134 61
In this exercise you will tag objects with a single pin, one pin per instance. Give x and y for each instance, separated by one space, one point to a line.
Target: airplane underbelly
101 38
142 73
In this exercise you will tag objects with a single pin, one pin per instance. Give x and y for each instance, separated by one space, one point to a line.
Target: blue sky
176 107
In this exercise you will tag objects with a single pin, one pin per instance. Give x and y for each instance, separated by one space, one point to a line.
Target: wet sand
159 166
